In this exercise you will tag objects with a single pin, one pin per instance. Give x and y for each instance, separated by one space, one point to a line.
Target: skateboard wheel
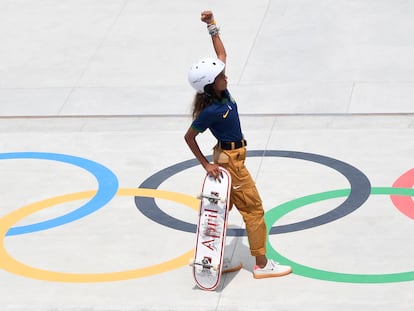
215 267
191 262
223 200
199 196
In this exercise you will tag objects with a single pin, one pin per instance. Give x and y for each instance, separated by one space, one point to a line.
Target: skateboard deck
211 231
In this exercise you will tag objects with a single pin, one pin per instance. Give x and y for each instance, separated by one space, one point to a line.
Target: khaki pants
245 197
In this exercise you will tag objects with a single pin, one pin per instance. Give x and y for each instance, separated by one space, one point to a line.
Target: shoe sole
232 269
271 275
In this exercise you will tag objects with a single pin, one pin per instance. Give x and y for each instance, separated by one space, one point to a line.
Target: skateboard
211 231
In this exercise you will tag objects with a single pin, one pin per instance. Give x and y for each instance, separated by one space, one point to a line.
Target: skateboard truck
205 263
213 198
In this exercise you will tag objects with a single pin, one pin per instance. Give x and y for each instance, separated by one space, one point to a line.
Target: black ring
359 184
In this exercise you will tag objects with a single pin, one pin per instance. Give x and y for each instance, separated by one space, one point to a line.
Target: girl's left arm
190 139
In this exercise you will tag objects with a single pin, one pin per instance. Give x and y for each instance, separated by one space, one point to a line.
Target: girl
215 109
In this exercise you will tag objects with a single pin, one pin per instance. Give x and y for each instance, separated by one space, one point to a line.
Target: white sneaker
271 269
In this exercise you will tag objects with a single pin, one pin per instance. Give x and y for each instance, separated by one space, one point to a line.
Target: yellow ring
11 265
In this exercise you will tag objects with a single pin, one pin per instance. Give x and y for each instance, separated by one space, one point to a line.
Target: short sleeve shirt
222 118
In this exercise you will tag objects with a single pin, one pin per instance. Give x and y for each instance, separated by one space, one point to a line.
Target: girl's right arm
208 18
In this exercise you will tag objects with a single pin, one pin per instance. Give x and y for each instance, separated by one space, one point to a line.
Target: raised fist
207 17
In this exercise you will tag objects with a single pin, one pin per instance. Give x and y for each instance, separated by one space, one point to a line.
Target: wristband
213 29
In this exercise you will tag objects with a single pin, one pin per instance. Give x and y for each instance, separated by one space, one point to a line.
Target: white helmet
204 72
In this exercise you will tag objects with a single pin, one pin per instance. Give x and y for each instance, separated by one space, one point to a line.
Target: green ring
277 212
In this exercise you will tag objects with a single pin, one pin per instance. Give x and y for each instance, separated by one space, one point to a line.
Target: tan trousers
245 197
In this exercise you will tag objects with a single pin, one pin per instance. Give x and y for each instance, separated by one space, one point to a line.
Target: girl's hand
207 17
213 170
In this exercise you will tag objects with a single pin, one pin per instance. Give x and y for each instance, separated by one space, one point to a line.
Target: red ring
404 204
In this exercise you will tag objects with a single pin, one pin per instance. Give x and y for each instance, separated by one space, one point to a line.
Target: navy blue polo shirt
222 118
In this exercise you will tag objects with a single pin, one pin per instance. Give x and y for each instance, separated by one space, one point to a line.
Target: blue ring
107 188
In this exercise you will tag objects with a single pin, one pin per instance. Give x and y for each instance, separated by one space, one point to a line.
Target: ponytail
200 102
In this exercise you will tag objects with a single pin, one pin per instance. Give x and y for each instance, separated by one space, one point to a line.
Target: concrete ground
94 103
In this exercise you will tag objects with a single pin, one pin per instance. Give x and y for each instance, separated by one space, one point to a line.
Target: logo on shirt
227 112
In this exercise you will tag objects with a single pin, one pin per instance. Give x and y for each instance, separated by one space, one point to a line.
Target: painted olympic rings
11 265
107 187
359 183
360 190
278 212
